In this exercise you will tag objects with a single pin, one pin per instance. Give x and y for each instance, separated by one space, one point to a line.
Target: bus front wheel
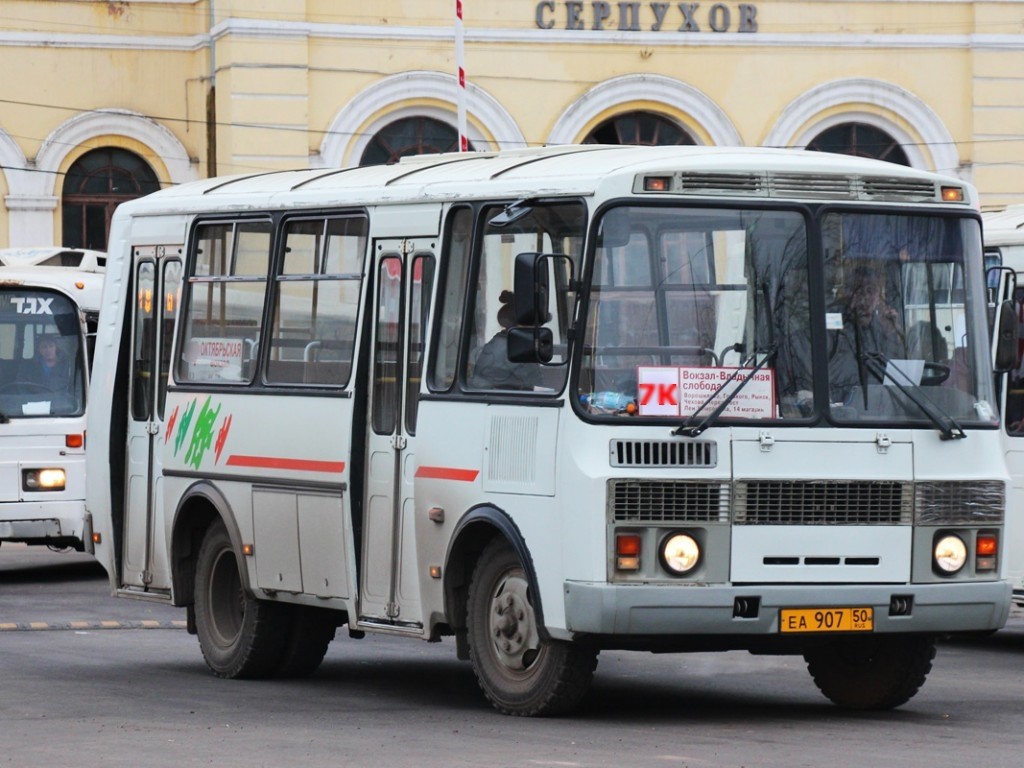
880 672
519 672
239 635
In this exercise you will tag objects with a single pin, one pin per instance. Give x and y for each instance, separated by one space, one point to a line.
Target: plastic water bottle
609 402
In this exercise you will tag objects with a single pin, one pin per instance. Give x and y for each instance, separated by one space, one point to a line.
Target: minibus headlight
43 479
950 554
680 553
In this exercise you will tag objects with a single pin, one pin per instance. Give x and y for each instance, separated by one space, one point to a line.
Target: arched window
98 182
410 136
862 140
646 128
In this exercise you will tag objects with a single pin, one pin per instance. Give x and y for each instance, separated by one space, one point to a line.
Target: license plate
826 620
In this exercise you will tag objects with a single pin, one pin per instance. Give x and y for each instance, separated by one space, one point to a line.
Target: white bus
48 317
1004 247
555 401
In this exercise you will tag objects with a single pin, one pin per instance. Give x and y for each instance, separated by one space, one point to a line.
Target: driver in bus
870 326
866 325
493 369
50 368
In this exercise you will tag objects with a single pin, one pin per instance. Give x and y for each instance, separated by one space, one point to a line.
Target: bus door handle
398 442
152 428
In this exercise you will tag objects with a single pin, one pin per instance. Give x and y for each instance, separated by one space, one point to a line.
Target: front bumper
674 610
57 522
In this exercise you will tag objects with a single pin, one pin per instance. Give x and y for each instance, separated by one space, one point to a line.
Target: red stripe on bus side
274 462
447 473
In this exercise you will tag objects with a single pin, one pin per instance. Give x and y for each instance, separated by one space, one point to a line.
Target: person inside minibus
492 368
49 369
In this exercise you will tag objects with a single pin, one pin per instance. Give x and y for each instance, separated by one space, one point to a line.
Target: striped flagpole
460 63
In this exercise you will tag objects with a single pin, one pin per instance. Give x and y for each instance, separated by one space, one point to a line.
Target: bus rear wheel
311 630
239 635
519 672
880 672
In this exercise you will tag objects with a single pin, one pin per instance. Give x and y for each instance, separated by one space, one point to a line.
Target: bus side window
1014 417
451 299
316 301
224 295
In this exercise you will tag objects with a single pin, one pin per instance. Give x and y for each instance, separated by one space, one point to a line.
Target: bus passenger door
157 278
403 280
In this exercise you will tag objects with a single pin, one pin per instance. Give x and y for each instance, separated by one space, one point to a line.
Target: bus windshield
691 307
42 369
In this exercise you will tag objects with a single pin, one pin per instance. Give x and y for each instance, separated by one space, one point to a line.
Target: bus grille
807 185
960 503
722 184
668 501
663 453
825 502
905 190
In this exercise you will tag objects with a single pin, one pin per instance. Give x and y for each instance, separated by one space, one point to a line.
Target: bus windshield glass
42 369
697 313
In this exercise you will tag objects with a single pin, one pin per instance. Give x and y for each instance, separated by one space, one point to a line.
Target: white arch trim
797 126
349 133
15 165
118 122
673 93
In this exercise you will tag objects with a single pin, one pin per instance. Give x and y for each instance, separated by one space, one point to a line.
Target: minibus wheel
239 635
310 632
519 672
879 672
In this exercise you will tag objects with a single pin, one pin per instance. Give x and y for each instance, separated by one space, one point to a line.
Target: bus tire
310 632
518 671
240 636
880 672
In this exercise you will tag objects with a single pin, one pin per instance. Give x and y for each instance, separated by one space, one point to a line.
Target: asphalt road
90 680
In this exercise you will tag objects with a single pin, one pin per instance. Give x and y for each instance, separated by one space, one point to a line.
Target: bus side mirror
530 284
1007 338
530 345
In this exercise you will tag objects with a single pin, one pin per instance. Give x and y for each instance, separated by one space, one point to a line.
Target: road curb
43 626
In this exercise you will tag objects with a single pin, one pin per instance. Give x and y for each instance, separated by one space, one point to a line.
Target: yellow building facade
104 101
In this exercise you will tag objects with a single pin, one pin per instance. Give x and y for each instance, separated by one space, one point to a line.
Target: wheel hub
513 624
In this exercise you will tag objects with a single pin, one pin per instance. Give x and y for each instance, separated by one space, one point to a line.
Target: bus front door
157 278
403 279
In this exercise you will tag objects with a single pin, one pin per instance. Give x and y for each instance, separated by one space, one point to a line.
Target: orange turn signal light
74 441
657 183
986 545
952 194
627 552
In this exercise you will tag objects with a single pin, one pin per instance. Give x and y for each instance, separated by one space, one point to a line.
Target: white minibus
556 401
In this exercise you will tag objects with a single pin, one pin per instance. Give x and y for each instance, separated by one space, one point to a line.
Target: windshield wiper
878 365
689 429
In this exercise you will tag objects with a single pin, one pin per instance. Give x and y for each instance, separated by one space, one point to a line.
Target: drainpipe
211 104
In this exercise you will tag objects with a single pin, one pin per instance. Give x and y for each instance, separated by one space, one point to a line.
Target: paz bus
1004 247
550 402
48 317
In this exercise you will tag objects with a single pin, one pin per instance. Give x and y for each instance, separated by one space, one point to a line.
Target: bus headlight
43 479
950 554
680 554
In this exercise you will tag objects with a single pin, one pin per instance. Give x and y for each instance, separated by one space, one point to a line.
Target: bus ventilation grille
808 186
950 502
824 502
668 501
663 453
902 190
722 184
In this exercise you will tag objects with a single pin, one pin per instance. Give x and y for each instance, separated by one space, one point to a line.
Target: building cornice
263 29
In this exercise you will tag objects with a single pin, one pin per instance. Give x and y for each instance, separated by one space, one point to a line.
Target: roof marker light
657 183
952 194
